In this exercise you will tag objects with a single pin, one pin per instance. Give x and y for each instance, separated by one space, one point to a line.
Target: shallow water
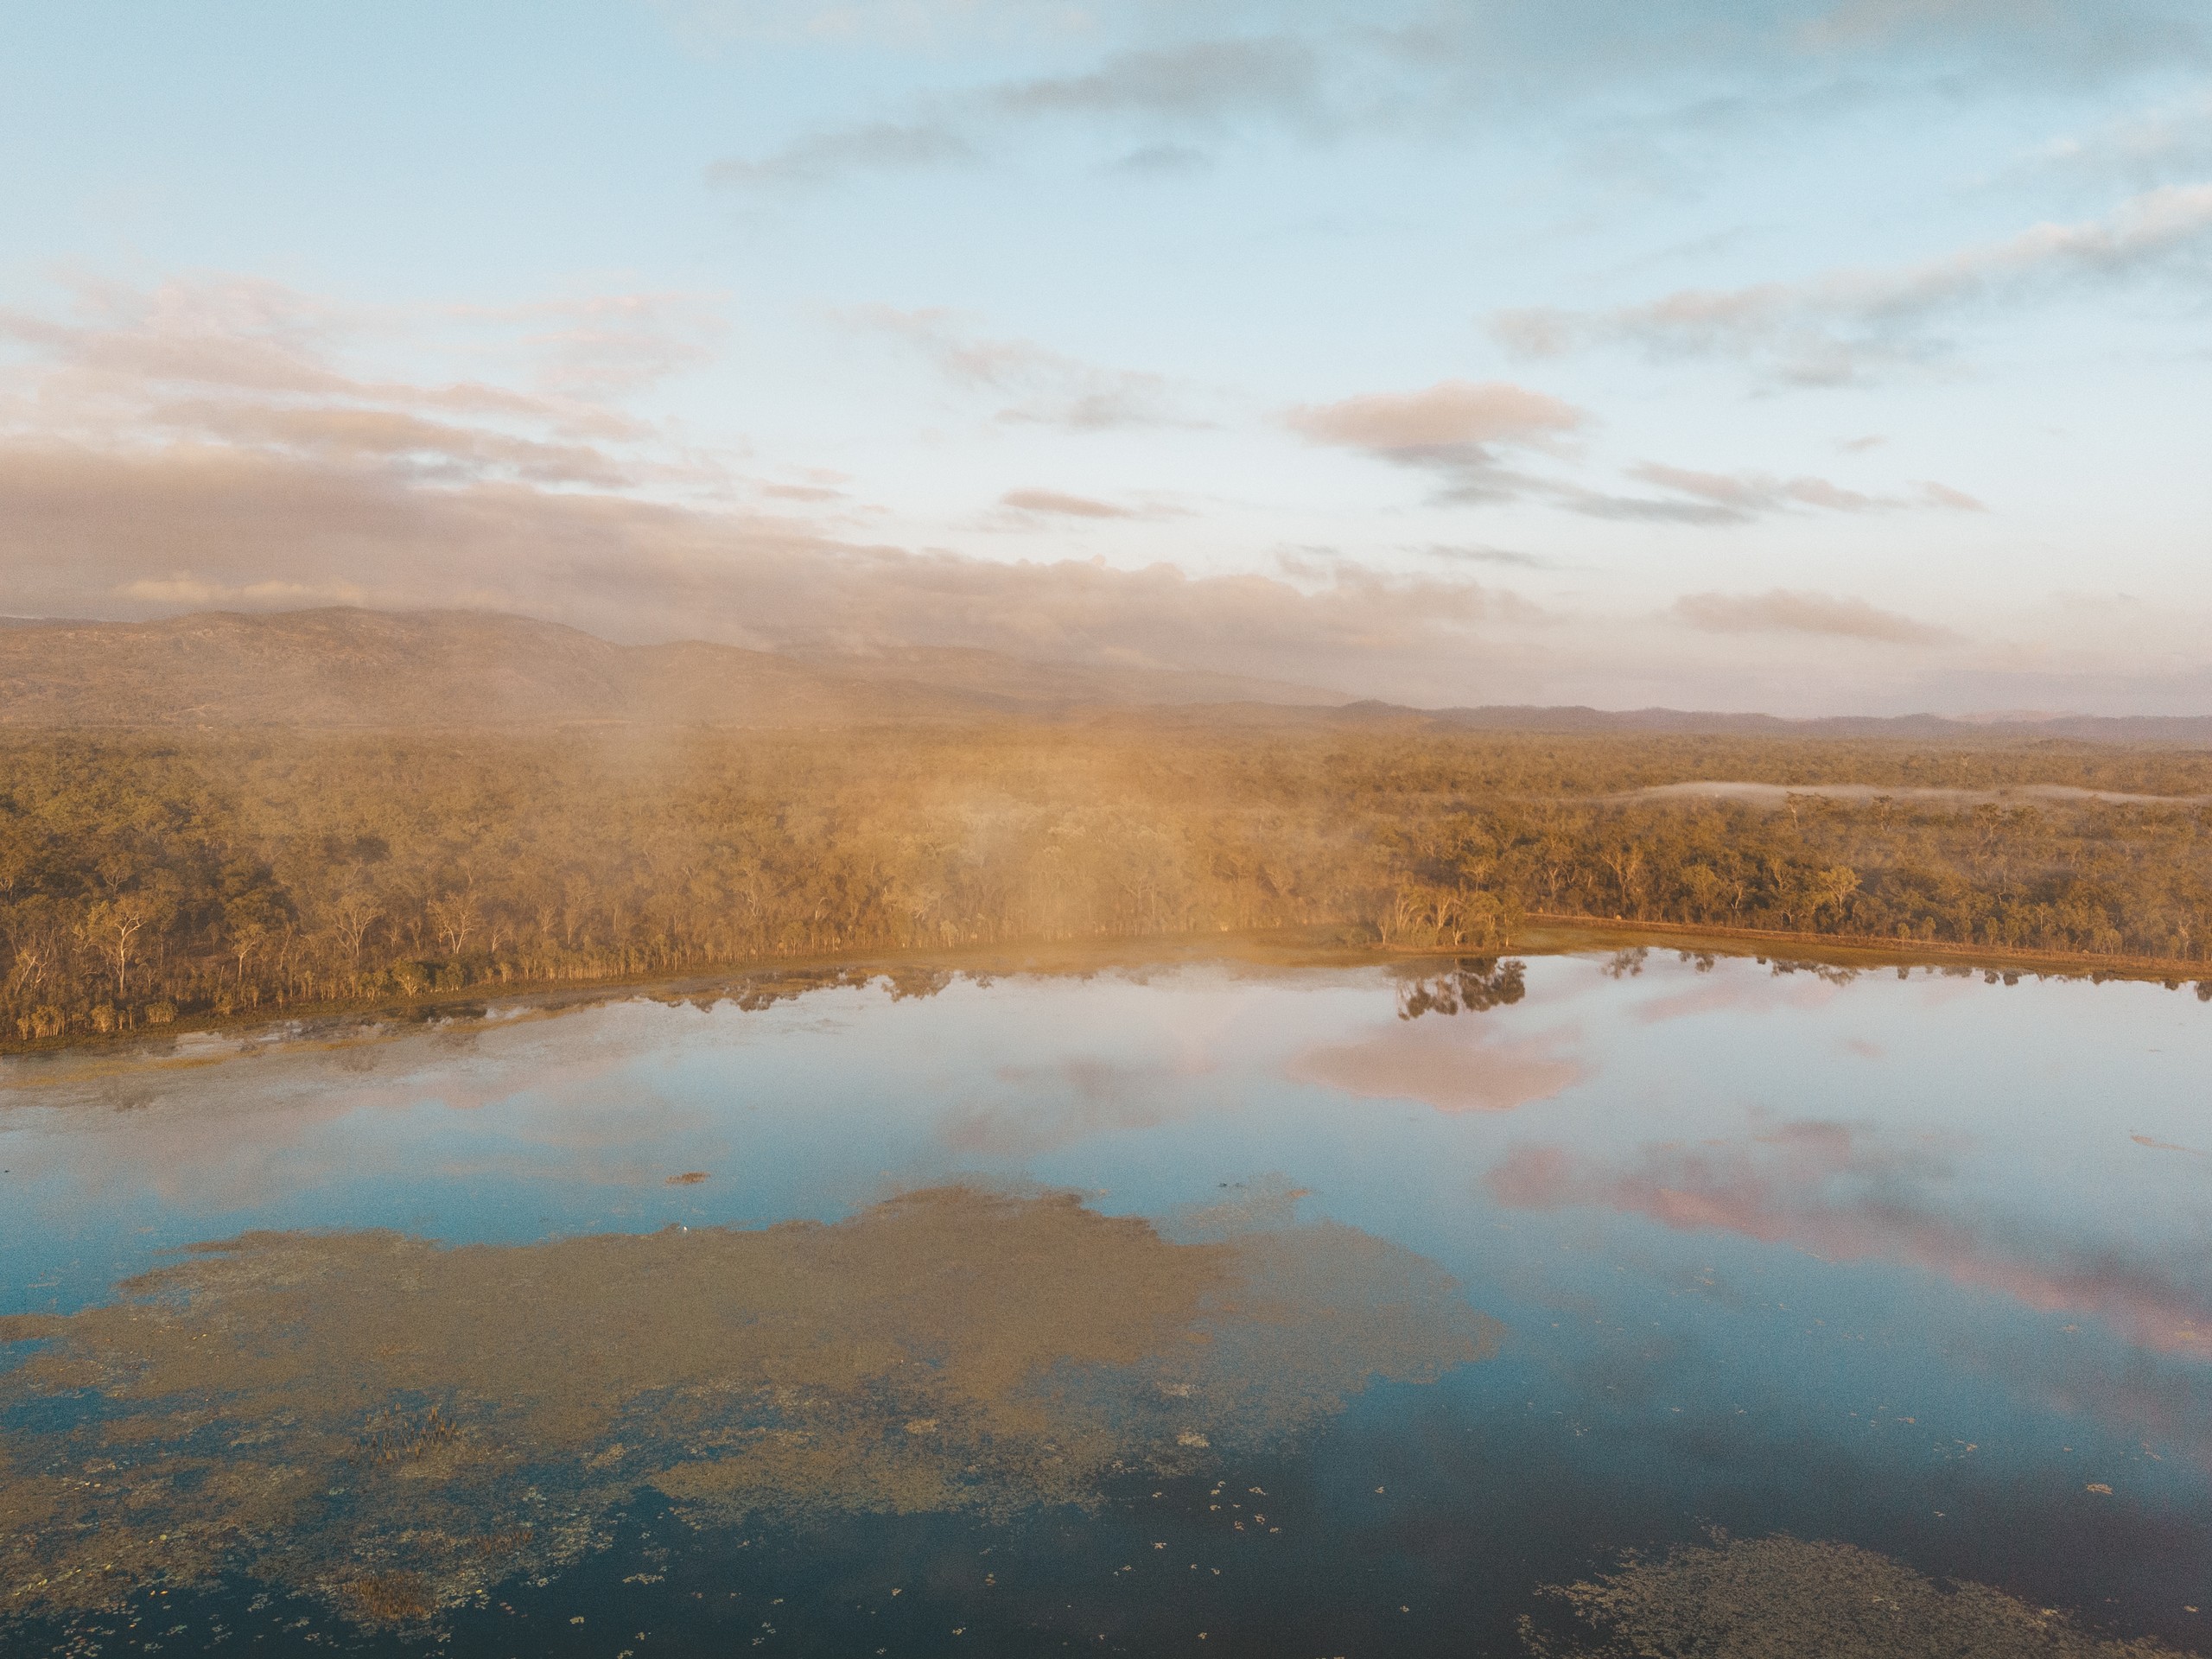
1210 1311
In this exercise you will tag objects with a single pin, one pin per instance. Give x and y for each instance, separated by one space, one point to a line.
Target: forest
149 879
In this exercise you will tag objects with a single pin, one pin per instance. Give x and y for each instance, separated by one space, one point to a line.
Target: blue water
1912 1261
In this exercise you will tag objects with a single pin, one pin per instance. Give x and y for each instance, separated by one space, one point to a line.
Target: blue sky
1809 355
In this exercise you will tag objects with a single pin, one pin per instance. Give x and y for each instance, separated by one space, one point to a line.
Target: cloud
607 344
229 334
1752 494
1450 415
205 444
1050 388
1320 70
1782 611
1475 553
1454 428
1718 498
152 530
2041 39
1199 83
1644 509
1545 52
431 447
1185 86
2144 148
870 22
1162 160
2156 1145
1840 1195
1942 495
212 443
1851 325
1065 506
1457 429
876 146
236 365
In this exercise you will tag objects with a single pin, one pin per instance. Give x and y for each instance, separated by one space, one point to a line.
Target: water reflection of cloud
1840 1195
1738 991
216 1139
1454 1065
1059 1104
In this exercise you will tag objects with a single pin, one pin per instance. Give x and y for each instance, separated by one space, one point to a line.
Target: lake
1683 1303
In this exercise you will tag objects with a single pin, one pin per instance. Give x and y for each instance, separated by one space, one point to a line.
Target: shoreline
349 1023
1545 933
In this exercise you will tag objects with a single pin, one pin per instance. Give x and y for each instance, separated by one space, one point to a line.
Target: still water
1581 1304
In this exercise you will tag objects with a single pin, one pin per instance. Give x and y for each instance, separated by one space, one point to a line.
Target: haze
1810 356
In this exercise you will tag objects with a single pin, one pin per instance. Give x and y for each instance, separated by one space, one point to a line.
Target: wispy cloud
1448 418
243 336
1454 429
1851 324
1478 553
1048 388
2046 41
1197 83
1738 498
1463 432
603 346
127 531
1166 93
1056 504
872 147
1749 494
874 22
1784 611
2145 147
431 448
207 444
253 367
1942 495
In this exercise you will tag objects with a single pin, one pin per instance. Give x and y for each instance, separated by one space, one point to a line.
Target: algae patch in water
396 1426
1781 1597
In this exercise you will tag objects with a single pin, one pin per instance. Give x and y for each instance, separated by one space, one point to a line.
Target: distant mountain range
347 668
373 669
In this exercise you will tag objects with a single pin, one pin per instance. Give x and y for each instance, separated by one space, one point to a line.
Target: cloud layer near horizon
202 447
1811 355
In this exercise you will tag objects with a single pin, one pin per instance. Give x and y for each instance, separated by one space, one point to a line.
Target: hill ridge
346 667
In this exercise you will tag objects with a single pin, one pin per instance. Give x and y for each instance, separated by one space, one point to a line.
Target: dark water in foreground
1213 1312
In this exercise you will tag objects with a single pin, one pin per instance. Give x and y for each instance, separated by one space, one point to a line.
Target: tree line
144 879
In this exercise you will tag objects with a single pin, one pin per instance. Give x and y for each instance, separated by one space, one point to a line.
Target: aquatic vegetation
396 1426
1780 1598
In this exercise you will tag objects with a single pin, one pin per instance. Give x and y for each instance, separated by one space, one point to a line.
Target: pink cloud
1448 414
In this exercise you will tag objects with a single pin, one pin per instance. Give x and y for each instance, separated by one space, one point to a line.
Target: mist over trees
144 879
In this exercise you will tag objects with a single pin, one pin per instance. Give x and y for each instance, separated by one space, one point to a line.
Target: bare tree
112 927
455 916
352 916
1625 860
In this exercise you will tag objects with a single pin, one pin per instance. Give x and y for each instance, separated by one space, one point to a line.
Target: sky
1811 356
